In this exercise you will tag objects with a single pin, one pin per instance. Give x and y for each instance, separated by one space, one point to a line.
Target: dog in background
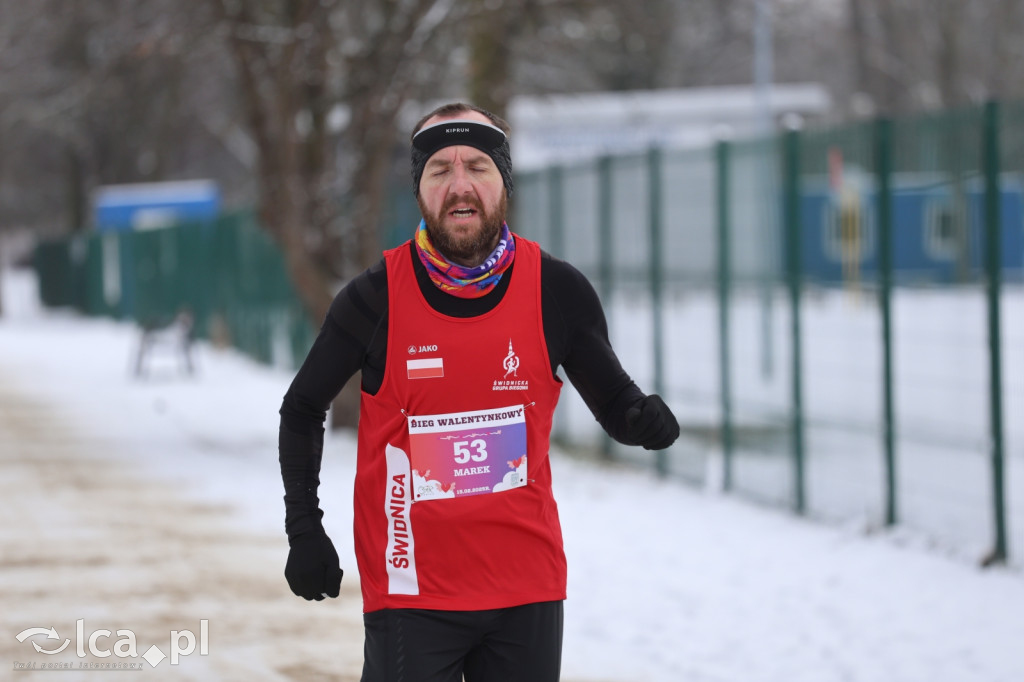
174 335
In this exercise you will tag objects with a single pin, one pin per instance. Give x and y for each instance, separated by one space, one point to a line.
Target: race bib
467 453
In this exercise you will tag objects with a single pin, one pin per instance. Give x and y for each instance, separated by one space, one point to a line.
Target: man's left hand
651 424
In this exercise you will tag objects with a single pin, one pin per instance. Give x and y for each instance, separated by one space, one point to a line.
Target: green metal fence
227 273
827 311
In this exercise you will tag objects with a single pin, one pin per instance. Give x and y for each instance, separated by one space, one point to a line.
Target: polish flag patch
425 368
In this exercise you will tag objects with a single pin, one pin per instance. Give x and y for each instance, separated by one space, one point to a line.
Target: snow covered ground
666 582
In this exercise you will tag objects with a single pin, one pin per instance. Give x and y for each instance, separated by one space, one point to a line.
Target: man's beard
472 248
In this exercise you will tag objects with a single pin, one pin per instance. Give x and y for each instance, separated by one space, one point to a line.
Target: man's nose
460 183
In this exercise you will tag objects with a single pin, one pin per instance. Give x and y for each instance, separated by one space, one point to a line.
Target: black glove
651 424
313 570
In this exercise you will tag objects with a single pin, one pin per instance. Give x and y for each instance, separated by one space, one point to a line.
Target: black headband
489 139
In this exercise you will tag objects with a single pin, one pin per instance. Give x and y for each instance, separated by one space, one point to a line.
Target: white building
559 128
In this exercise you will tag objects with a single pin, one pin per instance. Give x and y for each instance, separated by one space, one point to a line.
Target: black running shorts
515 644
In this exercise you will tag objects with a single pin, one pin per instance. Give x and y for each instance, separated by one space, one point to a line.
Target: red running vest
453 501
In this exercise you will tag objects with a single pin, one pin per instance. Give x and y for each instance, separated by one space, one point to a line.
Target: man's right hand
313 570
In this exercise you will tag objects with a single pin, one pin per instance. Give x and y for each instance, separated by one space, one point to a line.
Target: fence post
791 215
993 262
722 157
606 256
654 161
555 212
883 171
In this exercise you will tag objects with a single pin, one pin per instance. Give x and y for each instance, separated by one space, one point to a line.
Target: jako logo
422 349
124 647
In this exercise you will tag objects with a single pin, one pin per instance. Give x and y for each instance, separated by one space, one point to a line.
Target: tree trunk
490 60
889 60
77 195
375 128
1003 26
282 50
860 47
950 15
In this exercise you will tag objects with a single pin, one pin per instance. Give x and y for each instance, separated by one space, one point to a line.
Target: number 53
463 455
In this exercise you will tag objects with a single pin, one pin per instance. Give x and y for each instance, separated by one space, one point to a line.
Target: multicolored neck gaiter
459 280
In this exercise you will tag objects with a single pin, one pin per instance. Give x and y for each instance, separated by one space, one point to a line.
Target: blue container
144 206
839 230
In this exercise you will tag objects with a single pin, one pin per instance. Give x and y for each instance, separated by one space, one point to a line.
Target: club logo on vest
510 381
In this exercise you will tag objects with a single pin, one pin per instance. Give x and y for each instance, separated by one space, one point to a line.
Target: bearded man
459 334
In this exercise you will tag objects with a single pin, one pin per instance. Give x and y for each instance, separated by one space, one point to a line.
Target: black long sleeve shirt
354 338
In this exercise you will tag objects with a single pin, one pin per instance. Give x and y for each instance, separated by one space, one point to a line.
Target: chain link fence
227 274
836 315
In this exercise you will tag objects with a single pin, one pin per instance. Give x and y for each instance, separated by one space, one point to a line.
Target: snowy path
85 536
